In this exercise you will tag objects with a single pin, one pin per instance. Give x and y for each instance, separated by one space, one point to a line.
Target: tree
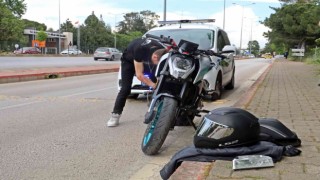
294 25
137 21
67 27
295 1
125 39
94 34
317 42
17 7
11 27
254 47
33 25
42 36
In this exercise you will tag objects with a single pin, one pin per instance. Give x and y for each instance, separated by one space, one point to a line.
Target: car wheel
112 58
133 96
218 90
95 59
230 85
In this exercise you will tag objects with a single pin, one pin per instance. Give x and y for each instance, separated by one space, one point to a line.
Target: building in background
52 42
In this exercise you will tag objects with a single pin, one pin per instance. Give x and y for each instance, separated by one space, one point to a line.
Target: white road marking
88 92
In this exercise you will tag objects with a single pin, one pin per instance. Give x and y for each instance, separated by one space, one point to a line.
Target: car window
203 37
220 42
223 40
102 49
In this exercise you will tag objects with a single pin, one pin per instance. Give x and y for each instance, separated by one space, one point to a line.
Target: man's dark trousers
127 73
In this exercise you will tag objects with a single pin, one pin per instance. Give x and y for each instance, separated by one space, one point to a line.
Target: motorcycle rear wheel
159 126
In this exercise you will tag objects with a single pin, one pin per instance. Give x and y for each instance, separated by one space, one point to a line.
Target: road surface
56 129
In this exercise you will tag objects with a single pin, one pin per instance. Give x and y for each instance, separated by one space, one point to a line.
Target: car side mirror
228 49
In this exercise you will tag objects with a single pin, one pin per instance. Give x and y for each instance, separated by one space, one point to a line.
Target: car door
227 63
116 53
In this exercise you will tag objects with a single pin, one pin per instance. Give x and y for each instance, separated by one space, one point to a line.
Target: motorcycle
179 92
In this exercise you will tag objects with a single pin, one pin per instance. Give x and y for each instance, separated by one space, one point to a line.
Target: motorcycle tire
159 126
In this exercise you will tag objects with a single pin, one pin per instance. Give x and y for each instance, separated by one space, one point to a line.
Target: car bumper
102 56
137 87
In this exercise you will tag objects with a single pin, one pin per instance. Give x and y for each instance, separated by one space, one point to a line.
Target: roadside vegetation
295 25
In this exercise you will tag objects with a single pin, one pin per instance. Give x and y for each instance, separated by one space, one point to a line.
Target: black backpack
273 130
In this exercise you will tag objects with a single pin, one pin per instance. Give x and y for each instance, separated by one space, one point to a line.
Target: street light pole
224 13
115 25
250 38
242 22
241 30
165 11
115 32
59 46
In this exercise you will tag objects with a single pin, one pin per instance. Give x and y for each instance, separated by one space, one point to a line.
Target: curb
246 98
52 75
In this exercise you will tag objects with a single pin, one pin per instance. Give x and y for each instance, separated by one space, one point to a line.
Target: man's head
156 55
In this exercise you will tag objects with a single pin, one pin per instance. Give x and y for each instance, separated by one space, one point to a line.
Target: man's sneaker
114 120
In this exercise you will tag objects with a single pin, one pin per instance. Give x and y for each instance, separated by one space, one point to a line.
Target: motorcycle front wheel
159 126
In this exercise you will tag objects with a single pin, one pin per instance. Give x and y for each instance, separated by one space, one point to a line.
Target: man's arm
139 73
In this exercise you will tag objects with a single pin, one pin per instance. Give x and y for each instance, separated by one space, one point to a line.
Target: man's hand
154 85
139 73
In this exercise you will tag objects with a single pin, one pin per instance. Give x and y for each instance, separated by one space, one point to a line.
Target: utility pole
165 11
59 46
224 14
242 22
78 39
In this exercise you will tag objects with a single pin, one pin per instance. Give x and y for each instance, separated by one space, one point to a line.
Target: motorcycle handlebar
212 53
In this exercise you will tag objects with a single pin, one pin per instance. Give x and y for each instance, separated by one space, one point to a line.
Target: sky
251 12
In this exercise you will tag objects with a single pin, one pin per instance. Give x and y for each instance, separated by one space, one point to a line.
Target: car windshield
203 37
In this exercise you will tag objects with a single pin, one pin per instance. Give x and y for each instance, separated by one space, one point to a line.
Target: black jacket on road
192 153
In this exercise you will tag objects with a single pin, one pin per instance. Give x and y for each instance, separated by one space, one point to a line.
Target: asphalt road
55 129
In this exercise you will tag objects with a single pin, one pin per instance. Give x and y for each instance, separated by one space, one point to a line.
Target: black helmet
227 127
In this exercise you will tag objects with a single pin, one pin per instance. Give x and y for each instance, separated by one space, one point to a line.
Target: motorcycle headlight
182 66
182 63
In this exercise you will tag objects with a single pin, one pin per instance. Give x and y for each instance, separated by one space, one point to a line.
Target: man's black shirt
140 50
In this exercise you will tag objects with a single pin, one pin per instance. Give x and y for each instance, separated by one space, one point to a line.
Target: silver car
107 53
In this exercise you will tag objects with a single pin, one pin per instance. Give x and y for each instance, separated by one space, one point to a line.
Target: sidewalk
290 93
18 75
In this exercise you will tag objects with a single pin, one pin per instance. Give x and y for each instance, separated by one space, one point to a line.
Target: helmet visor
211 129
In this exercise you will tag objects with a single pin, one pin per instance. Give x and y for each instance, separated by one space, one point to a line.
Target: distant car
107 53
267 56
71 51
27 50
